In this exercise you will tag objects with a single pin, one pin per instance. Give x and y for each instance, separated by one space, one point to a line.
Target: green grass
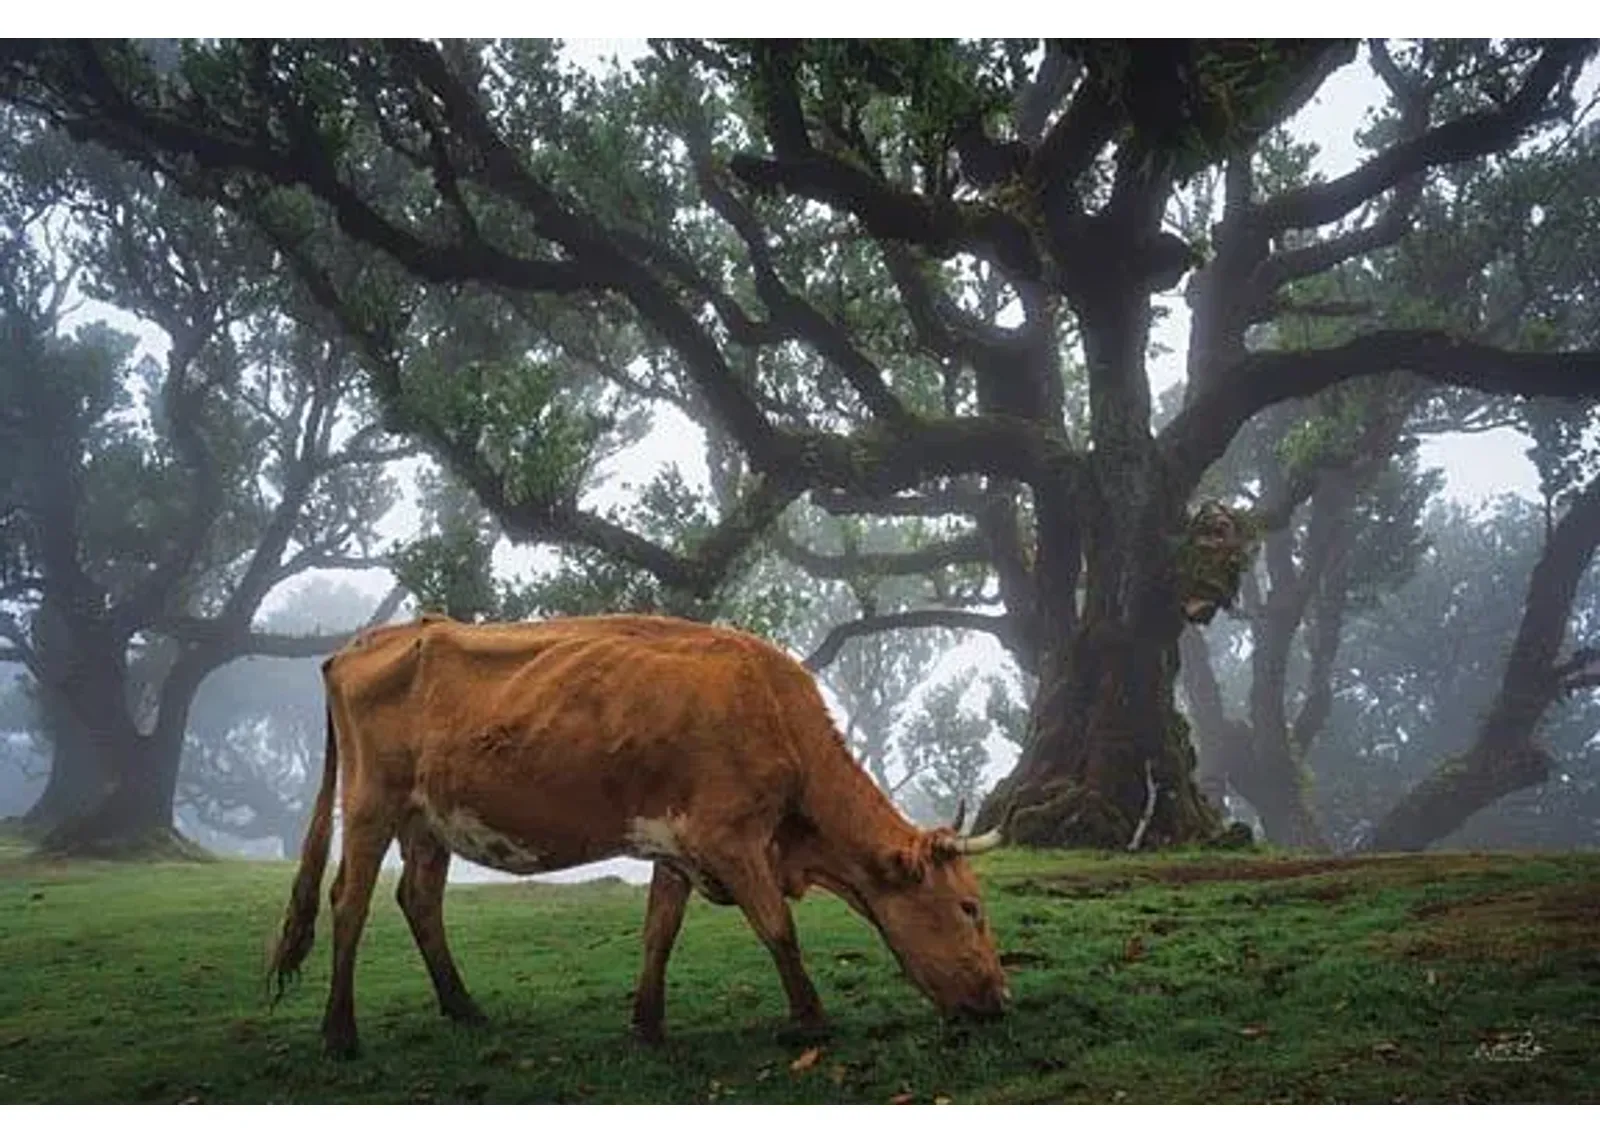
1189 977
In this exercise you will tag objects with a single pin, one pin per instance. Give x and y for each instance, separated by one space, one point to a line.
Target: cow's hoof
340 1048
467 1013
650 1035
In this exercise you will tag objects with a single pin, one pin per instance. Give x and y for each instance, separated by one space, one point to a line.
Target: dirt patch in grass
1502 926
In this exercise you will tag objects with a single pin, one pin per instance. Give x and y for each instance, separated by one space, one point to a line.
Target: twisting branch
787 309
539 521
1467 137
965 548
828 650
233 644
941 227
504 172
1200 433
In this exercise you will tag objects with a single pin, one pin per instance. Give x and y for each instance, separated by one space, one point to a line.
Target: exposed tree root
161 843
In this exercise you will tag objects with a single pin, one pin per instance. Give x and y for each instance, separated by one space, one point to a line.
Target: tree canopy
906 279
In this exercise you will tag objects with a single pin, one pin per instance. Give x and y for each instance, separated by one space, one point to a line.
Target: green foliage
449 573
1198 977
509 413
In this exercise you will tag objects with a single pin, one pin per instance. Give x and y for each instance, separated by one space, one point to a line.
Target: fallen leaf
1432 978
1134 950
1253 1031
901 1097
1385 1047
941 1099
806 1060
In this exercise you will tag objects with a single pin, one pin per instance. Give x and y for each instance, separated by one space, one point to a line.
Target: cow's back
565 734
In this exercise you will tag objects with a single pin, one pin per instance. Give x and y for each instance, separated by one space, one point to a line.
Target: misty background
939 716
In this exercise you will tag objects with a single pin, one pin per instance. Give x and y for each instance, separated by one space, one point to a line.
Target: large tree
792 240
253 749
151 507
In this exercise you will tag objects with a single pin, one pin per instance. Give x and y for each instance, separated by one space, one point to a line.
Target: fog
252 751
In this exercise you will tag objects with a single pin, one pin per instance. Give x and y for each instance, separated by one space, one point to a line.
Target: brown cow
534 747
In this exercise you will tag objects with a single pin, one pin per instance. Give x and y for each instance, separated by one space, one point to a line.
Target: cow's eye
973 910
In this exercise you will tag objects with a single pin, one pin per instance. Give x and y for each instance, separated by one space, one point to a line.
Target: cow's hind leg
366 838
749 878
421 897
669 894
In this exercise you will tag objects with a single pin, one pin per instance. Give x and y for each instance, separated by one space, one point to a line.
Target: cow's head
922 896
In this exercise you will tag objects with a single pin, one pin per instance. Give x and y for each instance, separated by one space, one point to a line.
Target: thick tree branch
829 648
1058 71
1201 432
1505 757
544 521
1468 137
953 500
504 171
966 548
790 311
940 227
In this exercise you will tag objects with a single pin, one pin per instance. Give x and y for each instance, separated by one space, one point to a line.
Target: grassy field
1190 977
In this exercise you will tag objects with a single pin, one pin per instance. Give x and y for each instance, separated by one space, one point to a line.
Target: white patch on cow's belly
656 839
467 835
650 839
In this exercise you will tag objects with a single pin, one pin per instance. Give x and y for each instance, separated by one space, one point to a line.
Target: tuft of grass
1181 977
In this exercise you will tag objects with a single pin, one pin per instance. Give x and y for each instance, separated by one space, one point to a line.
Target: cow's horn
961 816
983 843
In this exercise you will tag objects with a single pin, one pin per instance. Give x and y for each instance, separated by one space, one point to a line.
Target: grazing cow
534 747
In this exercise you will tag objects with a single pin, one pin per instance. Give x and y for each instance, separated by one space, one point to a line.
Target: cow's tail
299 924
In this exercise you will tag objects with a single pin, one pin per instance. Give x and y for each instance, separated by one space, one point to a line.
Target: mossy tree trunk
135 813
1107 761
77 781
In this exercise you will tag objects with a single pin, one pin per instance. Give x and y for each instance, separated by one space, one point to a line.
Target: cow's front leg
749 878
669 894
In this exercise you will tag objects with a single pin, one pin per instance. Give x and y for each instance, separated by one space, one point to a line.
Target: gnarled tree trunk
1108 761
135 813
77 780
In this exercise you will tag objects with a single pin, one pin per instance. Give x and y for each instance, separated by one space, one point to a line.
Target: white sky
1475 467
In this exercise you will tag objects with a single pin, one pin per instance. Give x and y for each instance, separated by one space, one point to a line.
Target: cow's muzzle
990 1007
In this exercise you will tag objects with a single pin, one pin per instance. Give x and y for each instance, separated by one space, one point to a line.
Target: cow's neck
857 826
